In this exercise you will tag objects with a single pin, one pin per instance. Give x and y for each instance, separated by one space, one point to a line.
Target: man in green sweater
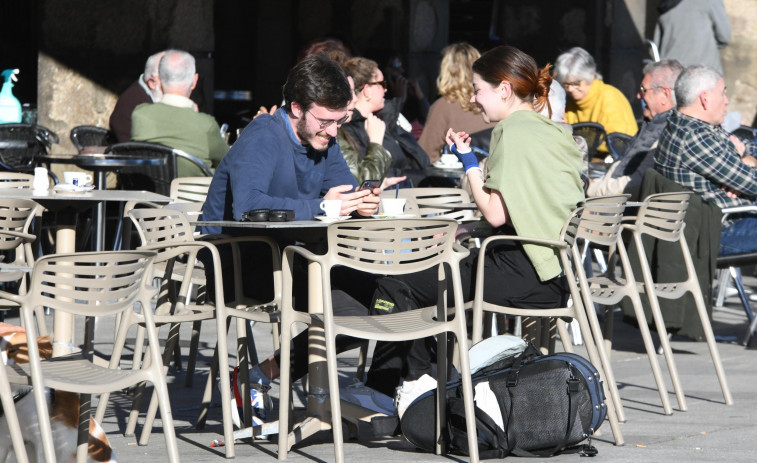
174 121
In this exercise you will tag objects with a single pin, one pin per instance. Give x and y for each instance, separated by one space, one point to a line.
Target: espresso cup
77 178
332 207
393 206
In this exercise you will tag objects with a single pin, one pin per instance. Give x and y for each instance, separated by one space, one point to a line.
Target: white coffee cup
77 178
449 159
393 206
332 207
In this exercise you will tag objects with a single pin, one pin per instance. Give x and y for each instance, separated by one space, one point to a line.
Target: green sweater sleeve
371 165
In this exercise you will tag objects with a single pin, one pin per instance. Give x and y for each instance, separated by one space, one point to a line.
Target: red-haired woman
531 186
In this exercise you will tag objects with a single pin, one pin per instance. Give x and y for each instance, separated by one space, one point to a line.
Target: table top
104 161
93 195
451 206
263 225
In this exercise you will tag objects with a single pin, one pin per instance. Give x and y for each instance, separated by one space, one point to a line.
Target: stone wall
740 59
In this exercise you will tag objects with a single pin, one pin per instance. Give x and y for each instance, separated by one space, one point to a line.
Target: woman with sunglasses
372 133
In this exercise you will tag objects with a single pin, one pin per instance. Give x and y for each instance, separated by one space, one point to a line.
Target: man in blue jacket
290 160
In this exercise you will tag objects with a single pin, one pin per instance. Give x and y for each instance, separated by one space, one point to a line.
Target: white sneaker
360 394
411 390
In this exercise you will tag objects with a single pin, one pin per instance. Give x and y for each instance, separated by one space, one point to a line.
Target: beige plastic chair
421 201
189 189
168 231
93 284
16 217
601 222
577 310
166 235
386 247
662 217
16 180
11 419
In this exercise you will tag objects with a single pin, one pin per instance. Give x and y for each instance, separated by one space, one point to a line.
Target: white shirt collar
172 99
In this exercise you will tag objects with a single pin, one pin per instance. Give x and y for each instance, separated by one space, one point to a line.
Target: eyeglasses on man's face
326 123
380 82
644 90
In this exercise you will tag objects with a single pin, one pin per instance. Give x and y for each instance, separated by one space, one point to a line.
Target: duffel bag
527 405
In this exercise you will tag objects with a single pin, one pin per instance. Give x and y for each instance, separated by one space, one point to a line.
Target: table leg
63 323
99 213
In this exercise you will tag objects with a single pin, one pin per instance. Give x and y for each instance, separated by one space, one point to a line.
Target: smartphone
370 184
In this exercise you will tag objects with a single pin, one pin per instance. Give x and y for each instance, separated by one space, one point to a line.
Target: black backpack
548 404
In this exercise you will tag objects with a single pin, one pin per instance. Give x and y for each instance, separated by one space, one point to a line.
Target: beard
319 141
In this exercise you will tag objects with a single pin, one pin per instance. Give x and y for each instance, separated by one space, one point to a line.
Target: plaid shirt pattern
699 156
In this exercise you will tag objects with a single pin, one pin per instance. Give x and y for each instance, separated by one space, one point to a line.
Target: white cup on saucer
332 207
393 206
77 178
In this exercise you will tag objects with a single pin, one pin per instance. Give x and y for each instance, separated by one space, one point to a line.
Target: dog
63 407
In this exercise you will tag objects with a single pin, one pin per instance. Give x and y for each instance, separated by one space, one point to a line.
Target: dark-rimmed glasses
380 82
325 124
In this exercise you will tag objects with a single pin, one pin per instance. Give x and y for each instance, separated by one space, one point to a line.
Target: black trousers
509 280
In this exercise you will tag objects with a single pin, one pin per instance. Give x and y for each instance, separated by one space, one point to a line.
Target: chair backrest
16 180
157 225
601 219
91 284
151 178
662 215
83 136
16 215
391 247
184 157
592 132
190 189
20 143
618 143
426 198
746 133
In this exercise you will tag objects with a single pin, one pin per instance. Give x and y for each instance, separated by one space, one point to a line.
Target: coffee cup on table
332 207
393 206
77 178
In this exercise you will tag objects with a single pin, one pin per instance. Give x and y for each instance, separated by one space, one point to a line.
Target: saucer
388 216
323 218
441 165
69 188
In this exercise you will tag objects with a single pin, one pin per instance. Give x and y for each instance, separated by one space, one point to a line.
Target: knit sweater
606 105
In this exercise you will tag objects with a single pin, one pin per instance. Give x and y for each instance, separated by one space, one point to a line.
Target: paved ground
708 431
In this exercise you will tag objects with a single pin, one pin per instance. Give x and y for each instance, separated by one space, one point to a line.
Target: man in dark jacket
658 98
146 89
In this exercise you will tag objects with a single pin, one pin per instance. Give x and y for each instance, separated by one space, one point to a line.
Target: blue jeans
739 236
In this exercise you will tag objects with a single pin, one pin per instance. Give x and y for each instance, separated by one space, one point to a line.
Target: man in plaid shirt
698 154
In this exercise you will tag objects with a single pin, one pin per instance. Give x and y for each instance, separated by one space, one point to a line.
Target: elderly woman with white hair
592 100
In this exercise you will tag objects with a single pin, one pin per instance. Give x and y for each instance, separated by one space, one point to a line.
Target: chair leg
710 337
736 274
17 438
82 438
596 361
286 386
724 279
599 343
193 349
362 359
336 407
646 337
152 409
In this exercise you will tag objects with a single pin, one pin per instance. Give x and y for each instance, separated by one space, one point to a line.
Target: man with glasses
657 99
290 160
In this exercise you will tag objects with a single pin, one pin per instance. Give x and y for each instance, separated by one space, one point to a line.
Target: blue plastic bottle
10 107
